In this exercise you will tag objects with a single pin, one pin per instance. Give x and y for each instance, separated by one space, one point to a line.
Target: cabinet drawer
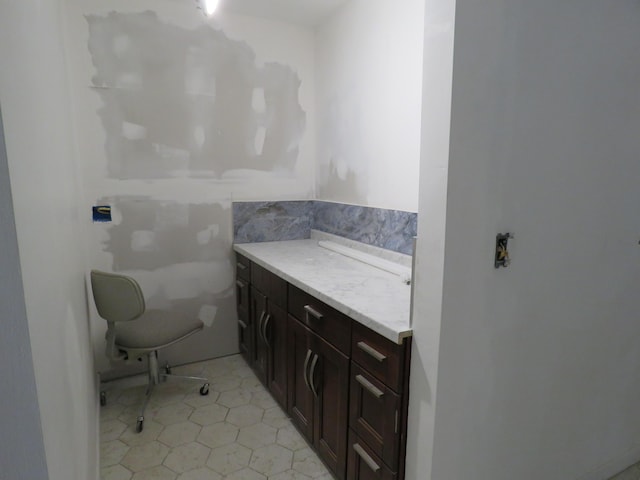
378 355
274 287
363 463
330 324
243 267
374 415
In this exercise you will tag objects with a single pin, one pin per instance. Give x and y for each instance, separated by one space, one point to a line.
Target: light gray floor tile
115 472
203 473
179 433
271 460
237 432
187 457
218 434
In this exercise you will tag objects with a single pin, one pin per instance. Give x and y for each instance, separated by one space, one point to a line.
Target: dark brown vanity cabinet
374 414
319 394
364 464
344 386
268 303
260 351
379 393
245 330
300 395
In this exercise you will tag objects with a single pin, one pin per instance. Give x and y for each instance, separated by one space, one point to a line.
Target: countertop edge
396 336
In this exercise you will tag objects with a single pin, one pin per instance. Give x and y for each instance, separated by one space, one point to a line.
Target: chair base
155 377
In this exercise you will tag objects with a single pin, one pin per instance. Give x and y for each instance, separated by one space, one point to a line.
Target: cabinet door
259 313
300 399
275 333
329 380
245 332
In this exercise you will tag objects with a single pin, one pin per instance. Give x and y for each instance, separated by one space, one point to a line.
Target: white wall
21 447
194 201
50 232
537 374
430 248
369 92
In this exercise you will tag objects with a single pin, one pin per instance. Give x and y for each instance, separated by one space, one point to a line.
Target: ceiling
307 13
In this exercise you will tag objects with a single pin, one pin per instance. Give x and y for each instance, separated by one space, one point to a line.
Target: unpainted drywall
189 102
177 115
148 234
180 255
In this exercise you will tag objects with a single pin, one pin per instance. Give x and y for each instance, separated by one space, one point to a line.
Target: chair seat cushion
155 329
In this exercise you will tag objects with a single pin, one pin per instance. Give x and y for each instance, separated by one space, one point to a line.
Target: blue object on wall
102 213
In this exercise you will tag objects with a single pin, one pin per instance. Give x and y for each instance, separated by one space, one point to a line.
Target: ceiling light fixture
208 7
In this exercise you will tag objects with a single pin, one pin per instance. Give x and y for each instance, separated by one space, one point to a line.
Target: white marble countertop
373 297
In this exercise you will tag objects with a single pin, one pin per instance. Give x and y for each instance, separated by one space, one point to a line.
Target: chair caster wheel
103 398
204 389
139 424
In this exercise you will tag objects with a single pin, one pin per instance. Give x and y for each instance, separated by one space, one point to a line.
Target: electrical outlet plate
502 250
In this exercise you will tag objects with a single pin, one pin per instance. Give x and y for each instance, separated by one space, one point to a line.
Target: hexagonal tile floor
237 432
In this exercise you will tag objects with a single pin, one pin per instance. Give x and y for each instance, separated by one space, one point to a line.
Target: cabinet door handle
309 311
395 428
370 387
312 375
242 324
264 329
239 287
304 368
260 324
371 351
366 458
241 266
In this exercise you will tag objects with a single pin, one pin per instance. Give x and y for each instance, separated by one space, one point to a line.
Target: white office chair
134 331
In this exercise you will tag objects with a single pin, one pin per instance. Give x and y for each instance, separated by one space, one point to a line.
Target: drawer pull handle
370 387
242 324
310 311
240 284
241 266
372 351
312 375
305 374
366 458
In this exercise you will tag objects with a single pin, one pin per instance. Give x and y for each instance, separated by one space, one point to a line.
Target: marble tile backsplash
292 220
388 229
271 221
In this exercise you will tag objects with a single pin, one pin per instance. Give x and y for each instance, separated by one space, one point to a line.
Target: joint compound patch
194 103
153 234
143 241
207 314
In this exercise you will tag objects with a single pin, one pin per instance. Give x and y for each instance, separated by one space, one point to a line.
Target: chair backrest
118 298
